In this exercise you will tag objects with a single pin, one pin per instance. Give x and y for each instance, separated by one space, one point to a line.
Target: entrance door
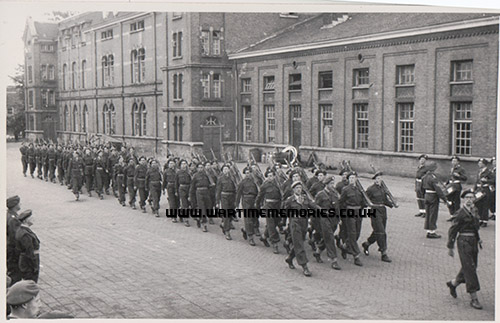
296 125
212 134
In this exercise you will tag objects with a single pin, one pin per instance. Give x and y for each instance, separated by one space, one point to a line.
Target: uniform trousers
248 202
155 193
468 250
431 210
379 235
131 191
328 227
298 228
227 203
272 222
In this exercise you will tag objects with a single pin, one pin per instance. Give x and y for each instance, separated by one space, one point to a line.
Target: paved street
102 260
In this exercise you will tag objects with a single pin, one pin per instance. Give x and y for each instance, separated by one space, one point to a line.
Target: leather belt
418 179
202 188
227 193
130 177
467 234
153 182
99 168
141 179
456 182
249 195
272 201
121 175
184 185
350 207
170 183
429 191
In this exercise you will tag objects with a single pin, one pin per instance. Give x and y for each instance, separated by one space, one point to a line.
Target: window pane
326 80
361 111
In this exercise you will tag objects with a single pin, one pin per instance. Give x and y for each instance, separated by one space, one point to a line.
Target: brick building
350 87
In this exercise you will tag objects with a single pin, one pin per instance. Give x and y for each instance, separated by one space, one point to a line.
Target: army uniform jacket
465 221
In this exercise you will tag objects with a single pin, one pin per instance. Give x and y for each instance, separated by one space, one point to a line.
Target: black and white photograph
249 161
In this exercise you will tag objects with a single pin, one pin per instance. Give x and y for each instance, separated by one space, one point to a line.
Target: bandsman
433 193
419 191
483 181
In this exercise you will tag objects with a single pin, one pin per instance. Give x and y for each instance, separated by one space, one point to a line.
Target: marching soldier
112 162
100 171
342 235
169 184
419 191
225 197
106 180
45 162
466 225
59 163
199 194
327 199
13 223
433 193
140 182
378 196
120 179
88 162
31 159
153 182
483 181
493 188
76 169
28 246
351 198
247 194
458 176
38 158
24 157
129 175
315 235
68 154
51 157
270 198
182 184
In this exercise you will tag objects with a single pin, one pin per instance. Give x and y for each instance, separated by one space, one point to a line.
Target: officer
466 225
76 169
492 201
378 196
13 223
457 176
199 194
225 197
169 185
182 184
421 170
298 227
483 181
351 198
153 183
119 179
100 171
269 197
88 162
327 200
247 194
129 175
31 159
24 157
28 246
432 194
140 182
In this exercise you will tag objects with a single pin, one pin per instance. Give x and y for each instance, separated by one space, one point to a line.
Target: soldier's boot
198 223
77 196
245 236
385 258
306 271
264 241
275 248
228 236
205 229
101 197
211 221
257 232
366 246
335 265
475 303
357 261
157 214
115 194
143 209
186 224
251 242
107 191
317 255
174 220
286 245
289 261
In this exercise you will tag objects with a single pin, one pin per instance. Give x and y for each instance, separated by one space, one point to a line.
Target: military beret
292 172
423 156
455 157
22 292
13 201
377 174
183 160
247 169
319 171
343 171
225 165
269 171
26 214
483 160
208 163
328 180
470 190
351 174
296 183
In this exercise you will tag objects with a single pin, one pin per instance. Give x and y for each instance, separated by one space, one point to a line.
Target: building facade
347 87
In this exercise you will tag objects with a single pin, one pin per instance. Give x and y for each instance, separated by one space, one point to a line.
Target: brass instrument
294 151
387 192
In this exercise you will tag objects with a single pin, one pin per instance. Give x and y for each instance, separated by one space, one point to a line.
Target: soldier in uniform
432 194
38 158
51 156
378 196
466 226
106 180
298 227
270 198
24 157
327 199
493 188
182 184
59 163
28 246
341 238
13 223
100 170
31 159
421 170
199 194
45 162
153 182
76 169
88 162
140 182
112 161
225 197
129 175
169 184
483 181
457 176
246 194
68 154
120 179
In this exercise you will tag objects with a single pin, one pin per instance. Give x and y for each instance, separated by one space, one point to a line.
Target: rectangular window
177 86
177 44
269 83
217 86
246 85
326 127
405 74
108 34
52 72
295 82
247 123
52 98
140 25
270 135
205 42
361 126
325 80
50 48
44 72
44 98
406 123
216 42
461 71
30 74
30 98
205 84
462 128
361 77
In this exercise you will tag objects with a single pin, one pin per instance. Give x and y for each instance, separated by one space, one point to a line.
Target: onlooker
13 206
28 246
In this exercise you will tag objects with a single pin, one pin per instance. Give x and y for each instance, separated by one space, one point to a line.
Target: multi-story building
40 44
347 86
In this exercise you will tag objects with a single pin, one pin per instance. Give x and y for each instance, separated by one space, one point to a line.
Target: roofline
145 13
373 37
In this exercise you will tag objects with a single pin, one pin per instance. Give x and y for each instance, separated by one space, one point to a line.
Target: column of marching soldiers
203 185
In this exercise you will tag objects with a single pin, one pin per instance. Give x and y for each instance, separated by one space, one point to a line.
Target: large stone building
373 88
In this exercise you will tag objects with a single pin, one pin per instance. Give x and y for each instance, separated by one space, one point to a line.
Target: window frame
403 140
269 116
455 71
357 77
325 116
359 141
466 121
295 82
321 81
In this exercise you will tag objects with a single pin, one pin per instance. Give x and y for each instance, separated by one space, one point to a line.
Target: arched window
84 67
134 73
139 119
105 119
73 75
104 65
65 73
75 118
111 71
52 72
142 64
66 118
112 119
181 121
175 129
85 118
138 66
143 119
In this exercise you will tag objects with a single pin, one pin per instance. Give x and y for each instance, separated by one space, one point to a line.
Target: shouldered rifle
387 192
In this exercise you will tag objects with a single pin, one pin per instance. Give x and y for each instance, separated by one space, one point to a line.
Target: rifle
387 192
